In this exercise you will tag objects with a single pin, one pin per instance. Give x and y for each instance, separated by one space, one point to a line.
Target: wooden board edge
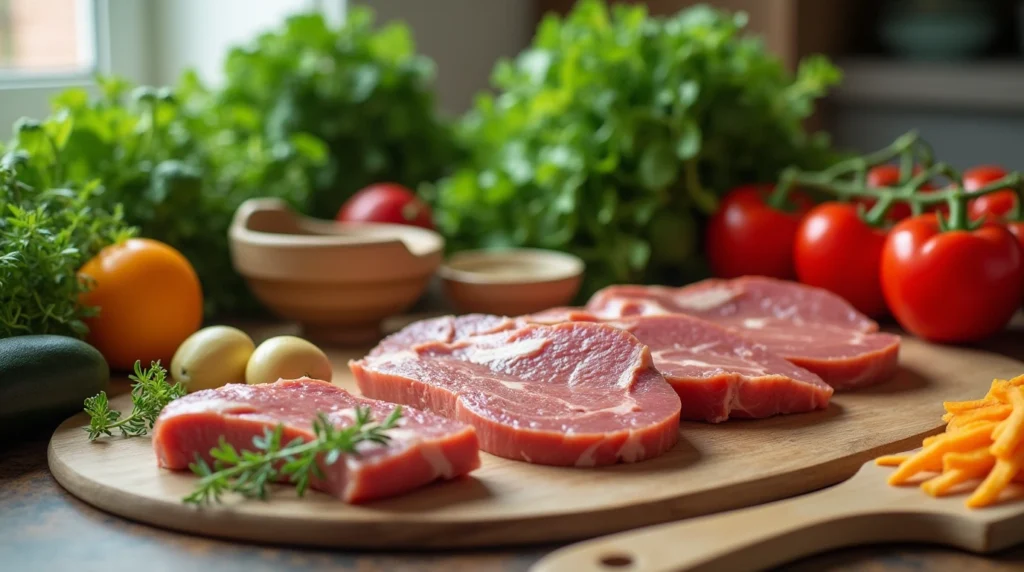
413 534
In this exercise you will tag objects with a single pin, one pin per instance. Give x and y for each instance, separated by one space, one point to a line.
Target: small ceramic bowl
339 281
510 282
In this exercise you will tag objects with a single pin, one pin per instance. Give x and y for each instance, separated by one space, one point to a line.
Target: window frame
119 30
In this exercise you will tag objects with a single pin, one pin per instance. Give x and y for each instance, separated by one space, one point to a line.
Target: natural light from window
47 37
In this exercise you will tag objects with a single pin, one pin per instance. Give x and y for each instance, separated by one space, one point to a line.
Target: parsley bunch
612 136
308 113
361 89
175 166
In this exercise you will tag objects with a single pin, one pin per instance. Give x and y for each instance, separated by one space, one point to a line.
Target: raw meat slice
442 329
716 373
808 326
423 448
582 394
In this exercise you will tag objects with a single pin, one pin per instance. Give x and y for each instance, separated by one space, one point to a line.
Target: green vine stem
846 180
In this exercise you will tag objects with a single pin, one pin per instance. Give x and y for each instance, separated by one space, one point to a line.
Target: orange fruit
149 300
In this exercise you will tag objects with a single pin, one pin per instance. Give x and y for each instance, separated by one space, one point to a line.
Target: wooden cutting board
862 510
714 468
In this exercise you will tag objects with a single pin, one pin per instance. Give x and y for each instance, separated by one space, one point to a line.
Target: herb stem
250 464
249 472
150 394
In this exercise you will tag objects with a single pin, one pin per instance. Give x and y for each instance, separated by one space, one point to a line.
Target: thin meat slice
582 394
716 373
423 447
811 327
442 329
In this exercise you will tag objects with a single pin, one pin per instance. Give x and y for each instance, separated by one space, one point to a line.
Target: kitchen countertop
44 528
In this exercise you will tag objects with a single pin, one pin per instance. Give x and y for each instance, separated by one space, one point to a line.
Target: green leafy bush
46 234
362 90
177 166
613 135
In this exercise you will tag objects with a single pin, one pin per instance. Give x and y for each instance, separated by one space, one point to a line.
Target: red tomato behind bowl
386 203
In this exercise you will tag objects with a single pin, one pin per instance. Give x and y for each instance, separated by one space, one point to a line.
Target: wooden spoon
861 510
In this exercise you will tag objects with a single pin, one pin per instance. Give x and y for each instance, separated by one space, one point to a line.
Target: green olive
212 357
287 357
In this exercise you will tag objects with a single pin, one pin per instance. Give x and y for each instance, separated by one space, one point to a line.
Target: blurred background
953 69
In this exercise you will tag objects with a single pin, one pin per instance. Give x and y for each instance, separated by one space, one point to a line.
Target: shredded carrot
987 413
1009 431
930 458
891 460
977 460
940 485
954 407
983 443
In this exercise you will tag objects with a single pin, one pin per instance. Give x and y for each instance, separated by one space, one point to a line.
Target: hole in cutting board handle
616 560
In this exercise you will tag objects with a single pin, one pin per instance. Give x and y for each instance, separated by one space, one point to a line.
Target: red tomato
889 176
836 250
386 202
956 286
1017 229
996 204
748 237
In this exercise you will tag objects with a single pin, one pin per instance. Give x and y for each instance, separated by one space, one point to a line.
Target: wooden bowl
510 282
339 281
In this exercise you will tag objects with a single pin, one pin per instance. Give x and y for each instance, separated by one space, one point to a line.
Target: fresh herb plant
361 89
46 234
177 166
613 135
249 472
150 394
308 113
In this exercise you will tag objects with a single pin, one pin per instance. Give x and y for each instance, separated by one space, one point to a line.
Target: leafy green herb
150 394
304 108
46 234
177 166
249 472
362 90
613 135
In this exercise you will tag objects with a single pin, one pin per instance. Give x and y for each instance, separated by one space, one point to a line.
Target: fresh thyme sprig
150 393
249 472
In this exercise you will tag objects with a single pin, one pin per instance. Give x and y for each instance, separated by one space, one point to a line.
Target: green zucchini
45 379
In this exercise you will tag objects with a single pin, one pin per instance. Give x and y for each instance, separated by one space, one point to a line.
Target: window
39 37
49 45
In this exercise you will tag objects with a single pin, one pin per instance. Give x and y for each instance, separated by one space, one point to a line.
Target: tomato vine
847 180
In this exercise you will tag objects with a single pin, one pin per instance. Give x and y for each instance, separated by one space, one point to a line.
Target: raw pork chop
716 373
423 448
811 327
582 394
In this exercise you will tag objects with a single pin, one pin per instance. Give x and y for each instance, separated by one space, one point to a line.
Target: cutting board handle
755 538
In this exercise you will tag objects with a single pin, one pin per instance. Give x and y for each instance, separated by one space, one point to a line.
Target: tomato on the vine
386 203
994 205
1016 228
954 286
840 252
746 236
888 175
